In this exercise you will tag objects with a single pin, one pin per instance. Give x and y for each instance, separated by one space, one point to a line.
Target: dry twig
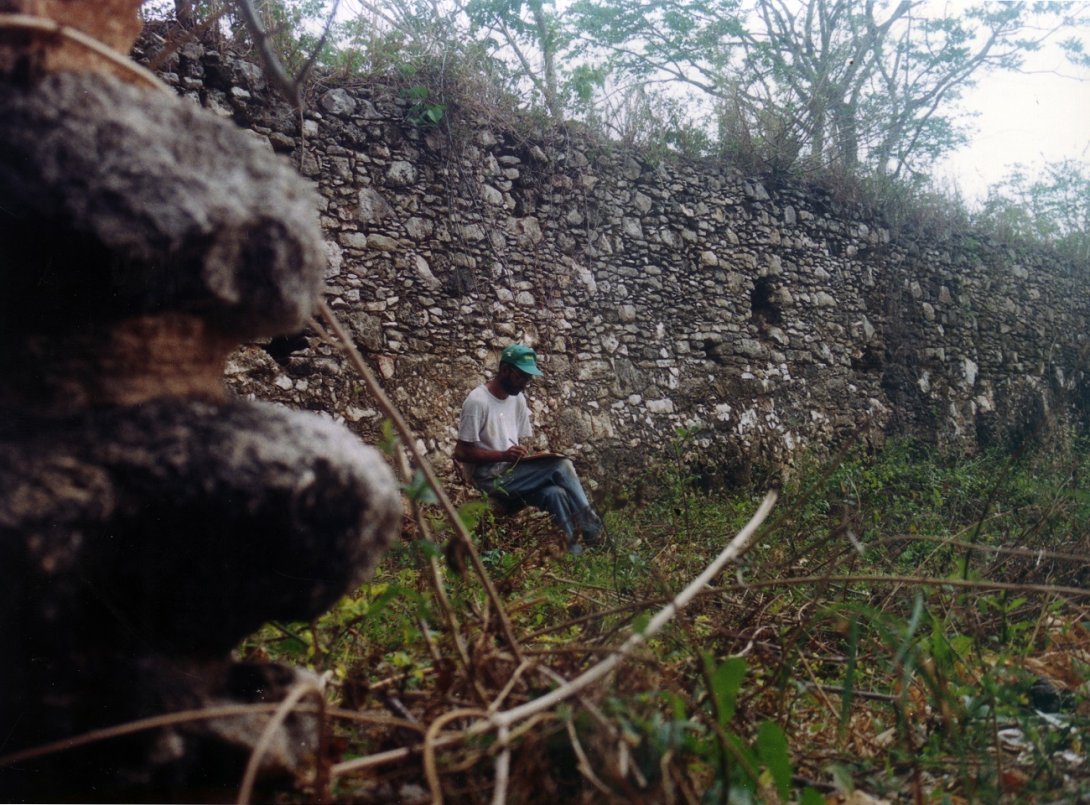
505 720
408 439
29 22
283 710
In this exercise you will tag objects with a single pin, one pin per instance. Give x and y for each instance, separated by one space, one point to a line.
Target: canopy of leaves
863 92
1053 206
862 85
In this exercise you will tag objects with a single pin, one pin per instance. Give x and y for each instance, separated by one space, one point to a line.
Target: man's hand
471 454
515 452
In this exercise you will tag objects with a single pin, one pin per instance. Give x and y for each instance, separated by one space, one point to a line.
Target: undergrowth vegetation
903 625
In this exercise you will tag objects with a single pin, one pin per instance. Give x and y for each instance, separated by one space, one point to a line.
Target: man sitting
495 419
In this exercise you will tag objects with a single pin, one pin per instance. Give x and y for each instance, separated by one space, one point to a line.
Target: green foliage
725 680
862 86
388 438
472 512
419 489
585 81
909 488
856 684
663 728
532 34
771 746
1053 207
952 692
423 112
861 99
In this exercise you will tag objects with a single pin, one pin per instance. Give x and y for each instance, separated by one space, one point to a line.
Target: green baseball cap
521 357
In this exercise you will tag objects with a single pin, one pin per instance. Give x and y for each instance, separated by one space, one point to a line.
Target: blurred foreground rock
147 521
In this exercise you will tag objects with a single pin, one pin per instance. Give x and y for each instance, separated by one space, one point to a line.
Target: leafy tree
532 32
294 27
400 32
1053 206
865 86
869 84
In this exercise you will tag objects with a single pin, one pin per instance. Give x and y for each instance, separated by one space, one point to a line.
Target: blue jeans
550 484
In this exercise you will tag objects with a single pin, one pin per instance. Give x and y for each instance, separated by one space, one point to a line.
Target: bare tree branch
275 71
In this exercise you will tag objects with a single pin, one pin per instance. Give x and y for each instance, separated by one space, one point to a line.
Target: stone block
337 102
139 545
205 222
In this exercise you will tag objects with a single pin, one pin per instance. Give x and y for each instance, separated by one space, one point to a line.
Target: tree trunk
548 56
847 134
183 12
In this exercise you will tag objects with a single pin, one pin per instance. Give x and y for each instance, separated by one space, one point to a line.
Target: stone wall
662 295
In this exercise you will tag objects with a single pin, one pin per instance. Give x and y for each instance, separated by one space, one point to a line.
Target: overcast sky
1042 115
1029 118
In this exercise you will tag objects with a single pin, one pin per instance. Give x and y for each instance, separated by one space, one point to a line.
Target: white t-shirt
493 424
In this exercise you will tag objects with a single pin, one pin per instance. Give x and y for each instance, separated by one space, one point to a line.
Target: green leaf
677 705
433 113
419 489
428 548
389 594
749 762
910 632
388 440
842 778
295 648
471 512
726 681
849 677
773 752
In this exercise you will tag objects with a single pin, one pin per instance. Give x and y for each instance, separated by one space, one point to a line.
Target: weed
422 111
862 644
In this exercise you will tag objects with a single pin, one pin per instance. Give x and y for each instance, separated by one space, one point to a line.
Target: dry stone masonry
148 520
767 318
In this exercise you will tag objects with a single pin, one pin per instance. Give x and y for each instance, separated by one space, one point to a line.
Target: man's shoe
591 525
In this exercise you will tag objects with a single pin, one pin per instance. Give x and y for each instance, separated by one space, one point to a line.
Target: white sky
1042 115
1028 118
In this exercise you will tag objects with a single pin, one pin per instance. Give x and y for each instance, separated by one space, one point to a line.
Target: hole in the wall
870 360
281 347
763 309
459 282
525 204
716 351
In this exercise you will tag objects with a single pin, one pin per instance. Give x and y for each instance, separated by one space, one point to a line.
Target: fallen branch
431 768
185 717
1032 553
796 581
246 789
923 581
503 721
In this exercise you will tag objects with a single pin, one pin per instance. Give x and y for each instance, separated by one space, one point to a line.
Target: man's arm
470 453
